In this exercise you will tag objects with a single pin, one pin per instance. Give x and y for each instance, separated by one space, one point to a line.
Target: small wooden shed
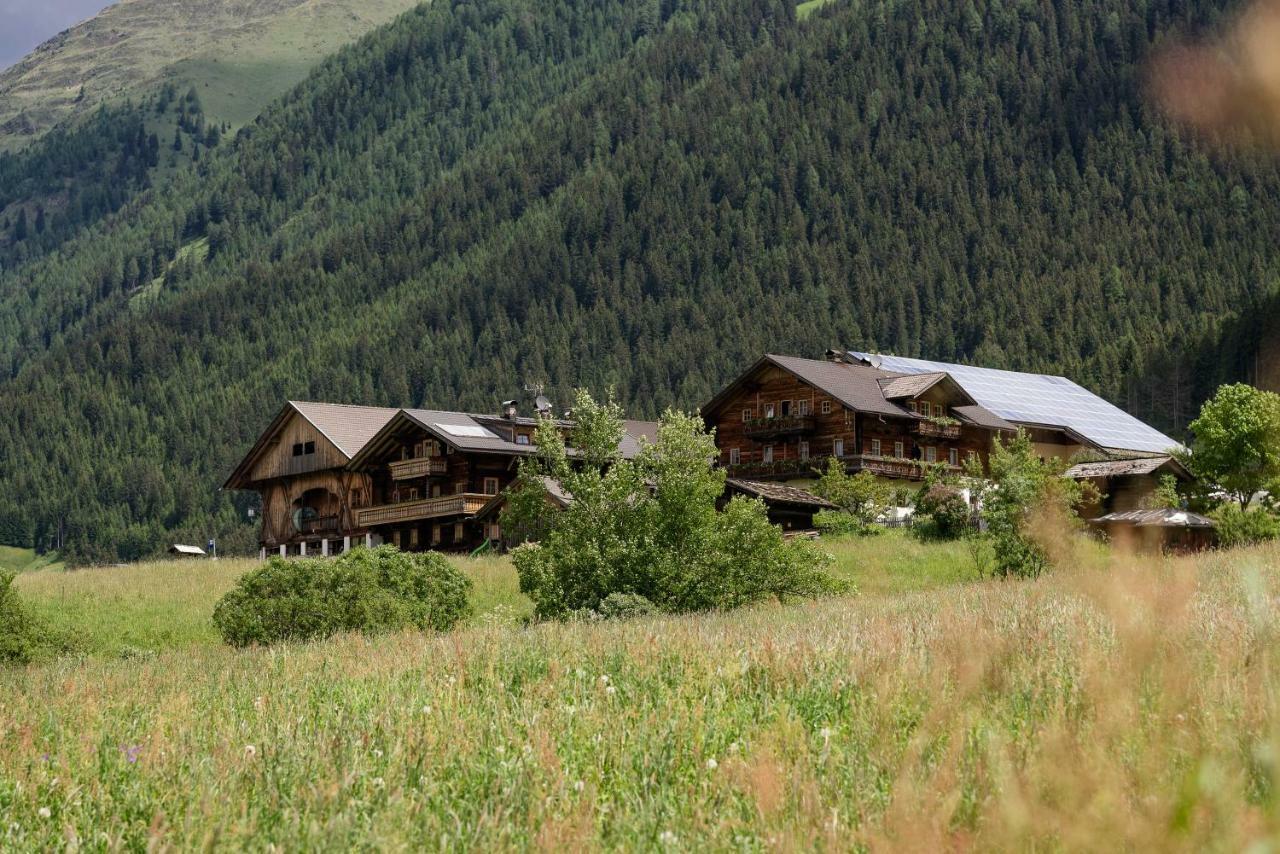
1159 530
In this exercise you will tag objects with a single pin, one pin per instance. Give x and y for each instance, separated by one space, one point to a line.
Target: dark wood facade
777 426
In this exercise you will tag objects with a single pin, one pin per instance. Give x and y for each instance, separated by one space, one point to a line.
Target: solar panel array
1040 399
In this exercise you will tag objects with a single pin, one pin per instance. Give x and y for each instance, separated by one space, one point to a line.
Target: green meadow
1116 702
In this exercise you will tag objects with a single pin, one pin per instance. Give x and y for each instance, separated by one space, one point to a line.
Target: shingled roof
1166 518
1120 468
777 493
895 388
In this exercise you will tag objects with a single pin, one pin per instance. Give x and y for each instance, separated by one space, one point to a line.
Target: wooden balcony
464 504
420 467
813 467
887 466
771 428
940 430
319 525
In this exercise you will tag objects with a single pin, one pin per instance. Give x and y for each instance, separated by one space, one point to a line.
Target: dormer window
522 438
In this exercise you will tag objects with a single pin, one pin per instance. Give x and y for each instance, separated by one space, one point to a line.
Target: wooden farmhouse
332 475
784 417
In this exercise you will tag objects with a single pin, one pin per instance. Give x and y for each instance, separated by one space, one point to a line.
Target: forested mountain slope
240 54
637 194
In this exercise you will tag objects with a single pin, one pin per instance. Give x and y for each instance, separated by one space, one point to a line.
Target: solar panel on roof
473 431
1042 399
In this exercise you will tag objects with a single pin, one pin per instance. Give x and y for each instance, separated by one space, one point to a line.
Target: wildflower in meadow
578 785
611 690
426 710
44 812
378 782
250 751
712 764
131 753
666 837
604 679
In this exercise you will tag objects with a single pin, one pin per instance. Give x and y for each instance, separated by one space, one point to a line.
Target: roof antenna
541 402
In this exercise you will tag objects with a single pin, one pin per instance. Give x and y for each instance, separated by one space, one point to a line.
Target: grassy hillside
239 55
26 560
629 194
1128 707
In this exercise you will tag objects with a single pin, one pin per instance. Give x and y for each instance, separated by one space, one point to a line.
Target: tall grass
1128 706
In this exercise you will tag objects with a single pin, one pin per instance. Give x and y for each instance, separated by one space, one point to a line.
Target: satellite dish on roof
543 403
873 360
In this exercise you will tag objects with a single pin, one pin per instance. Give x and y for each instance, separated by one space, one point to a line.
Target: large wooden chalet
784 417
332 476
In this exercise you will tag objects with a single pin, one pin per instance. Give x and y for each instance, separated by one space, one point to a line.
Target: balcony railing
319 524
782 425
939 429
813 467
464 504
420 467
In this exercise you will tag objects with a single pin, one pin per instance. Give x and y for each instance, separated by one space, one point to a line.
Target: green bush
838 523
20 636
626 606
649 527
943 514
365 590
1238 527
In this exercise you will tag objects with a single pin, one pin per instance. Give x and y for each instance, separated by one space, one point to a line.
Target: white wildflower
377 753
825 732
499 750
257 703
712 764
44 812
734 748
250 751
578 786
426 710
666 837
611 690
378 782
604 679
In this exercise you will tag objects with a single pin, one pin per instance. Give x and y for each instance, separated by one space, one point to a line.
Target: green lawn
807 8
26 560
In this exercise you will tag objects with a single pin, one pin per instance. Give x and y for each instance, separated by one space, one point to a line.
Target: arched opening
315 512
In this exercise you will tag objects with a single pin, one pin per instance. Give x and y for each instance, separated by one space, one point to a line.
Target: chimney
509 409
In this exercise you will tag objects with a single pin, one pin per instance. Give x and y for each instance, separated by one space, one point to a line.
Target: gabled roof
347 426
633 432
855 386
1157 519
895 388
1125 468
777 493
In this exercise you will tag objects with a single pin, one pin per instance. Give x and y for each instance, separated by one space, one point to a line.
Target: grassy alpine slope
1091 709
239 55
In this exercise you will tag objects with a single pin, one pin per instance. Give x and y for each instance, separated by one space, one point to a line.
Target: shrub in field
648 527
19 634
1238 527
838 523
943 513
1024 492
366 590
626 606
860 497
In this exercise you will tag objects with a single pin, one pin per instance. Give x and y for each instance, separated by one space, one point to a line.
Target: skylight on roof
470 431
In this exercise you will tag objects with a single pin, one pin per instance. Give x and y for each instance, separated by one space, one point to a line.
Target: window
931 454
953 457
413 494
875 447
490 486
395 496
837 448
522 438
748 414
460 487
911 404
457 532
735 456
899 452
802 407
973 455
413 538
804 450
926 409
297 449
825 406
768 454
768 410
784 408
435 490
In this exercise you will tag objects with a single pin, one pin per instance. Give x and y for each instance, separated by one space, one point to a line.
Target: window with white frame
767 455
802 407
875 447
804 450
826 407
748 414
768 410
899 451
931 454
926 409
837 447
953 456
490 486
735 456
